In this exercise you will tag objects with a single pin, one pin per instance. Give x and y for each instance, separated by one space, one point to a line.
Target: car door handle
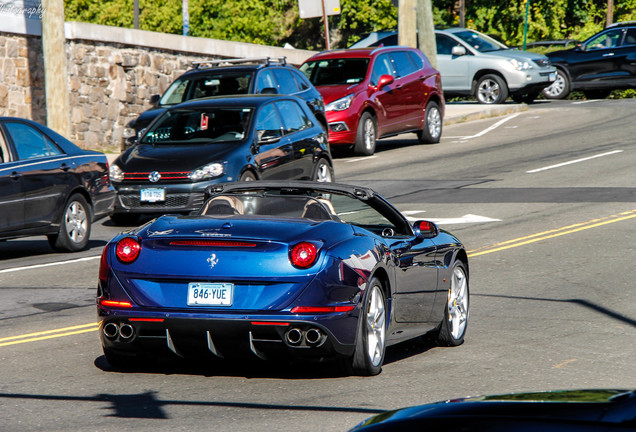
65 167
15 175
608 55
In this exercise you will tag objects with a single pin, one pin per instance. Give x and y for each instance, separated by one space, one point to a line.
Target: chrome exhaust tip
294 336
126 331
110 330
313 336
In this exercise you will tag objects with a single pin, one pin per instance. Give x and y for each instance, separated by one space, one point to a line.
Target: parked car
373 93
218 139
280 270
602 410
474 64
49 186
600 64
229 77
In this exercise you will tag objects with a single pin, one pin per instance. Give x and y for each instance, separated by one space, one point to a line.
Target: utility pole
610 12
406 23
426 30
462 13
55 72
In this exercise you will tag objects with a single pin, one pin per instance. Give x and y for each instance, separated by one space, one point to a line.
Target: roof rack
226 62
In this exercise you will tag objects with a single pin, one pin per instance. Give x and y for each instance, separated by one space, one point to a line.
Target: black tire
372 327
75 226
366 135
525 98
323 171
596 94
247 176
433 124
560 88
126 219
452 329
491 89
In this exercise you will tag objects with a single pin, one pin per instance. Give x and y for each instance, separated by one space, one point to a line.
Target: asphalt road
543 199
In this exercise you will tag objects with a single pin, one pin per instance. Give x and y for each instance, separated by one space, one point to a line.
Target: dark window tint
285 81
382 66
210 84
29 142
301 80
265 79
417 60
336 71
630 36
608 39
268 124
444 44
403 65
293 117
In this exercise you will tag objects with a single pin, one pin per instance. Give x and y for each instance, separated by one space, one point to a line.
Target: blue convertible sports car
304 270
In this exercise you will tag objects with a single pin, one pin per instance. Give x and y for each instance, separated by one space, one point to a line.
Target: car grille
165 176
542 62
131 201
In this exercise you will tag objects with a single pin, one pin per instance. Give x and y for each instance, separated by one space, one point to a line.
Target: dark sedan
604 62
558 411
49 186
218 139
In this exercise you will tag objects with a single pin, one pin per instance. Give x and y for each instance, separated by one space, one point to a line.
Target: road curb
459 113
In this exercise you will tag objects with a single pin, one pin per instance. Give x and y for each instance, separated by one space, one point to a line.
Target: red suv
373 93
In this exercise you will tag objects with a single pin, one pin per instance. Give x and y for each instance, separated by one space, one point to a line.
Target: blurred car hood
515 54
146 117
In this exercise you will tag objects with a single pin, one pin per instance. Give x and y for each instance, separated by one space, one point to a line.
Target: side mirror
154 99
425 229
458 50
384 81
269 136
269 90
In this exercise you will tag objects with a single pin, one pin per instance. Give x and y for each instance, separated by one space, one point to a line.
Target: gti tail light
127 249
303 255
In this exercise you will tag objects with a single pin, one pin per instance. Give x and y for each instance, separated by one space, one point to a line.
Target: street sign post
321 8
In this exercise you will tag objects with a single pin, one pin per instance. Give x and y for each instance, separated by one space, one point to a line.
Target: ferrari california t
294 270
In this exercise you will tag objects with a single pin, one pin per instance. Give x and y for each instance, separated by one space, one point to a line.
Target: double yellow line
521 241
546 235
48 334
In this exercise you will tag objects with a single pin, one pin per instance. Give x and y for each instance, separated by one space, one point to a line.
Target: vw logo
154 176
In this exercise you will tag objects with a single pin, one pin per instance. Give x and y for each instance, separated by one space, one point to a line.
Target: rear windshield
200 126
218 83
336 71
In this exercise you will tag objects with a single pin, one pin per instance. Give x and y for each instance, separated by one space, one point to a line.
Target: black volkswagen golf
266 75
218 139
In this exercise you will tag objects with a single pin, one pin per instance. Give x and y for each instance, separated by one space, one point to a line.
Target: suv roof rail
226 62
622 23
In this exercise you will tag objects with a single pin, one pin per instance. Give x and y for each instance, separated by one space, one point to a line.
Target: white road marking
15 269
488 129
361 159
469 218
573 161
585 101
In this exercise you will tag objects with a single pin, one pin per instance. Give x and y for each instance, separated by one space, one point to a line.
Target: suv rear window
338 71
215 83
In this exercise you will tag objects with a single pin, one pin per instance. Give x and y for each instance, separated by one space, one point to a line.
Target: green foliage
360 17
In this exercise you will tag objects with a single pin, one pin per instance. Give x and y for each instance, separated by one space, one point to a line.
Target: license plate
552 76
153 195
210 294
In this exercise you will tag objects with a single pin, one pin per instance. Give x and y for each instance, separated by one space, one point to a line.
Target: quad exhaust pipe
297 337
125 331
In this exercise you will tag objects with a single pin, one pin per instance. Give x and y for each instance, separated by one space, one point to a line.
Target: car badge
212 260
154 176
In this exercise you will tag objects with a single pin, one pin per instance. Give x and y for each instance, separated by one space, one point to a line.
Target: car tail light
104 267
322 309
303 255
115 303
128 249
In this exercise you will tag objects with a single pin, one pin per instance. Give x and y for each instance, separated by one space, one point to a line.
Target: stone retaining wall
112 73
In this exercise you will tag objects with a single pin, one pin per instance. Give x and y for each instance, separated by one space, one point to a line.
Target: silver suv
473 64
